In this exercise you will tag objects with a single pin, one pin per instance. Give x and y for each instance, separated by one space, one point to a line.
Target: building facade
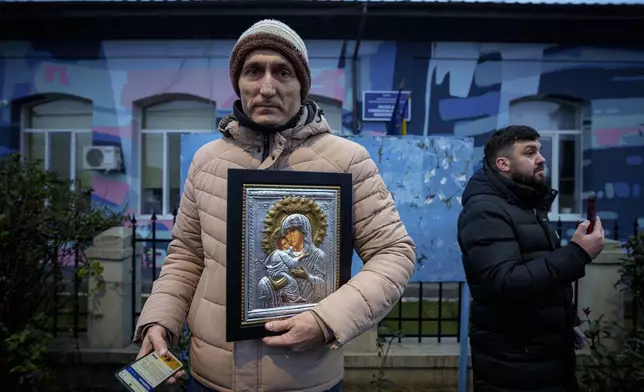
141 95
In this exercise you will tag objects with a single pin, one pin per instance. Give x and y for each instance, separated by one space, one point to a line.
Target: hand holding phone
591 212
149 371
590 234
153 342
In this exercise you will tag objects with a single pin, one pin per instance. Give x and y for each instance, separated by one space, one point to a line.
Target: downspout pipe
354 68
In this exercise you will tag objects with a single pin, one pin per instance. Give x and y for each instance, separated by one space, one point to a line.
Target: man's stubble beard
528 180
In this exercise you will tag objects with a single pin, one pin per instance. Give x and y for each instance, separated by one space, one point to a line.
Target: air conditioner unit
106 158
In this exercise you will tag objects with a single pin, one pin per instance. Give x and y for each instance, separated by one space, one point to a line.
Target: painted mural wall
461 89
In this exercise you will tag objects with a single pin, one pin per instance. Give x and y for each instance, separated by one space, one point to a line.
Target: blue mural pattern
461 89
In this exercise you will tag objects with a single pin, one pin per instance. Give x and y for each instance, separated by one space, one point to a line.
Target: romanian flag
403 116
393 127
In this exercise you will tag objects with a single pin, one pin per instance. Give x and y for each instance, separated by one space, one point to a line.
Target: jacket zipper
567 311
265 147
545 228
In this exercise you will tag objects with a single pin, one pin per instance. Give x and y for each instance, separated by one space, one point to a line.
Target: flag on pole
403 116
393 127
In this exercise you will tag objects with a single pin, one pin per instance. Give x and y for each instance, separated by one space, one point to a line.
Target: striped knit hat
275 35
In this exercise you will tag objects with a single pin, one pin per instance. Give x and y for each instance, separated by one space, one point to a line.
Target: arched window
561 125
55 130
163 121
332 112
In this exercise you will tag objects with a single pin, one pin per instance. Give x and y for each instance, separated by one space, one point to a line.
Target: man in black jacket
522 315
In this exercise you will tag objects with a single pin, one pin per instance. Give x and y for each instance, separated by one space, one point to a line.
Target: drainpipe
354 67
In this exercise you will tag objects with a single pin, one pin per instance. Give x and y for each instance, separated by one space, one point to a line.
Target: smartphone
591 212
148 372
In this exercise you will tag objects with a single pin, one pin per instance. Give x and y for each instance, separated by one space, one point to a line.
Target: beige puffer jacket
194 272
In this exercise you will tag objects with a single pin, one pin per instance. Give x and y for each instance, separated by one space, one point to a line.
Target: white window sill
148 217
554 217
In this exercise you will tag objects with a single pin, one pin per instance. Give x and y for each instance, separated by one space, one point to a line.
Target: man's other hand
580 338
302 332
155 339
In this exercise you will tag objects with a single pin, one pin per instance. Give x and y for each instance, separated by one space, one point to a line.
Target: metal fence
426 310
70 305
153 241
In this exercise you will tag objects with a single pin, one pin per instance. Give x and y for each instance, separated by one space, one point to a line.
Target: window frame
47 161
321 100
555 137
166 213
24 130
140 108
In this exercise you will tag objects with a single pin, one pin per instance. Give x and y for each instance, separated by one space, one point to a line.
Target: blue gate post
426 176
464 343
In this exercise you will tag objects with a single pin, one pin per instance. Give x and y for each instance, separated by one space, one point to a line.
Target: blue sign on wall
379 105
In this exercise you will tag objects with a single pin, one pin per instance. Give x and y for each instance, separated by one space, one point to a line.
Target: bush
43 224
622 369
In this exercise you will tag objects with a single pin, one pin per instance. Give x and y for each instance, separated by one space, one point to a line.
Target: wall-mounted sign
379 105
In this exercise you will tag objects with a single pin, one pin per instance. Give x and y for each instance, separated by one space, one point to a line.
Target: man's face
269 89
525 164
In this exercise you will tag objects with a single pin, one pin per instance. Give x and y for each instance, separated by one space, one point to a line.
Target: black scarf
246 121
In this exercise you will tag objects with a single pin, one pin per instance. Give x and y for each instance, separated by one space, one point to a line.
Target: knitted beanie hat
275 35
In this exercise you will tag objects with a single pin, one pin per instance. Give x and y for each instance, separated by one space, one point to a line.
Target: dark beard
531 181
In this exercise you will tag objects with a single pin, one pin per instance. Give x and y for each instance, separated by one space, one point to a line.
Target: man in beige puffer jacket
275 127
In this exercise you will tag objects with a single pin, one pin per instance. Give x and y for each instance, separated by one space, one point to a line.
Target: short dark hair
503 139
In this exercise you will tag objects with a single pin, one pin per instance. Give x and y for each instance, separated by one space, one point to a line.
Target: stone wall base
408 366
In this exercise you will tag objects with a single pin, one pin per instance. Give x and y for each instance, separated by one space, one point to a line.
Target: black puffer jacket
522 314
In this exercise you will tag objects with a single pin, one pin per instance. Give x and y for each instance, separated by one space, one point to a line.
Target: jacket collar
309 122
520 194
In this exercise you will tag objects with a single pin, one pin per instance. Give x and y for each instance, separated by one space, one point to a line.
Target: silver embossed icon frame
289 245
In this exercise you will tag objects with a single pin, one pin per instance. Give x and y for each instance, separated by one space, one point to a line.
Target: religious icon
288 245
296 268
